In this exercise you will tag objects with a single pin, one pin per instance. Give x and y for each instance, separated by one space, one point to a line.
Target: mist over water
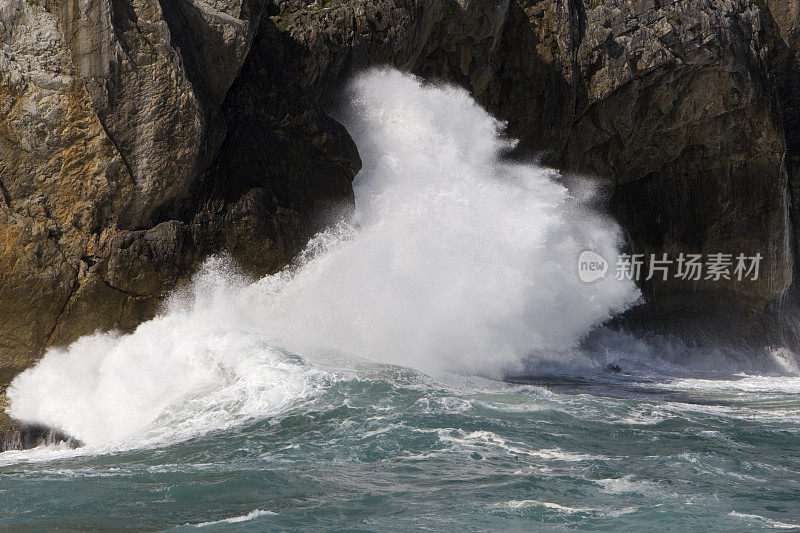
359 387
457 261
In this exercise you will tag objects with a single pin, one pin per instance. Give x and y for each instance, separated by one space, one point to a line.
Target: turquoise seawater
390 449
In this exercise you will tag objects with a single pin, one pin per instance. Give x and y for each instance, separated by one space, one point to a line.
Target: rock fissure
5 194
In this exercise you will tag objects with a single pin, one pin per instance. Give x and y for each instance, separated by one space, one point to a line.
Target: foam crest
200 366
461 260
458 261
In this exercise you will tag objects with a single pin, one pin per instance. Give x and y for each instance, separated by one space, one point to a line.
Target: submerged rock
21 436
17 435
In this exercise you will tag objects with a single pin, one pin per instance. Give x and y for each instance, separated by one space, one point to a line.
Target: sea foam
458 260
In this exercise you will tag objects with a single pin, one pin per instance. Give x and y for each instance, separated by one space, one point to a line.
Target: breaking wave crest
458 261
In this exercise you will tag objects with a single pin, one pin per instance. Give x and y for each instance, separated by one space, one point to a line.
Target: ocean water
386 448
434 364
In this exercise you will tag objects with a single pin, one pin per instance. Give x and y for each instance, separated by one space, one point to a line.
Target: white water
458 261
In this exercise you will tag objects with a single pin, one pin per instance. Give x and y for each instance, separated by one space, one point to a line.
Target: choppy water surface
389 449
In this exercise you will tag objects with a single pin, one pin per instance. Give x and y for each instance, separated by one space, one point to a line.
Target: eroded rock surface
675 102
130 151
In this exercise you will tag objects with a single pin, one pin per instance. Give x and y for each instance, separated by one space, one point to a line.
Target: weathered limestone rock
157 73
681 110
60 173
114 177
673 101
284 170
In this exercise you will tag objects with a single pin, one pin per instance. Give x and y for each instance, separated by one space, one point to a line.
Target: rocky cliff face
139 136
677 103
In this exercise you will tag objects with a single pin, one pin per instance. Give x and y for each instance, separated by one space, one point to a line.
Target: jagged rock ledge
17 435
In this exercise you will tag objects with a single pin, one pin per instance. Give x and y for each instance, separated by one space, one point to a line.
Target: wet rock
21 436
674 102
131 148
17 435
